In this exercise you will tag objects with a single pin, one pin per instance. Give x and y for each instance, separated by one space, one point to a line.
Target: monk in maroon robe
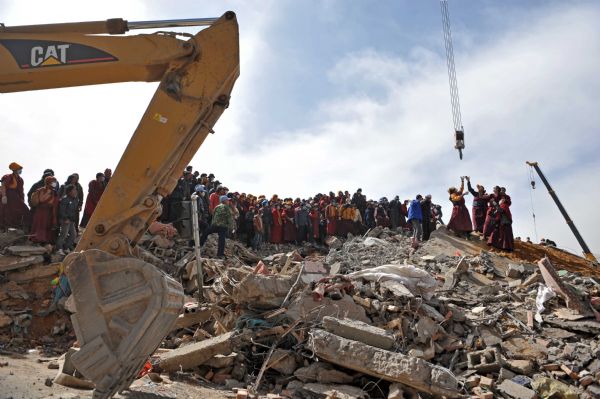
277 227
488 225
13 211
502 234
289 229
460 220
95 190
314 222
480 203
45 202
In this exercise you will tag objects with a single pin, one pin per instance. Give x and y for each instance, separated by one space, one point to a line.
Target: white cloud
531 94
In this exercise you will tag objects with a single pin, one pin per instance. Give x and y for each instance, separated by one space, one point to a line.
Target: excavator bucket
124 308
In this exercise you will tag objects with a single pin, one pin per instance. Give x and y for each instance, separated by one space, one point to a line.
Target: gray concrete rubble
334 391
193 355
390 366
368 316
359 331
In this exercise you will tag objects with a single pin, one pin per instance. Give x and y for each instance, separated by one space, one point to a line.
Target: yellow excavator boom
125 306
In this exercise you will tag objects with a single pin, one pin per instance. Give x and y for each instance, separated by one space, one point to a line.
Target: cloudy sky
337 95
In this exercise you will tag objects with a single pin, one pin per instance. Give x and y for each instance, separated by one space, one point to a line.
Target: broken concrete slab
585 326
519 366
8 263
490 335
397 289
335 391
322 372
221 361
313 271
418 281
262 291
426 328
521 348
371 241
189 356
454 274
513 390
32 273
333 242
359 331
188 319
430 311
13 290
514 270
283 361
390 366
306 308
26 250
554 281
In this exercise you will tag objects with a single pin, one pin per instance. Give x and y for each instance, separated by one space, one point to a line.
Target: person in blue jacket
415 218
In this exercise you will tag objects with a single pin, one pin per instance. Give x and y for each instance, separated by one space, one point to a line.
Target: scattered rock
514 390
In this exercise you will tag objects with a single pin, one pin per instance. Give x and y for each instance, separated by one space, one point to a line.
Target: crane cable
454 99
531 181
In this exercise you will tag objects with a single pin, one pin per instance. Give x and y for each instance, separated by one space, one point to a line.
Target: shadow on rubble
143 395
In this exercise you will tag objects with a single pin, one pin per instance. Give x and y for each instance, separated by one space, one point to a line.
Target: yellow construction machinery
125 306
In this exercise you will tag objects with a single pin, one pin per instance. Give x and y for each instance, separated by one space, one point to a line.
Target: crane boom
586 250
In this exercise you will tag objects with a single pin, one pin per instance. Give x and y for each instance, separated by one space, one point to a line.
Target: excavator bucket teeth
124 308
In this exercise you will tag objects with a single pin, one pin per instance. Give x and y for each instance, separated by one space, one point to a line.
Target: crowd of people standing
53 213
50 212
257 219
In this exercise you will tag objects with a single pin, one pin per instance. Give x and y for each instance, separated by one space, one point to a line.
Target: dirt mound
561 259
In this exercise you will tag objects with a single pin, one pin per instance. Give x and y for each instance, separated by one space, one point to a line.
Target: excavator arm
125 306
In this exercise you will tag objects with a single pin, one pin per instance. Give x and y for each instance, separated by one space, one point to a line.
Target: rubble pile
372 317
27 275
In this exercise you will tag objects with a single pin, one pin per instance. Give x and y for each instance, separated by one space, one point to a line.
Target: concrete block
514 270
359 331
485 361
524 367
193 355
390 366
516 391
